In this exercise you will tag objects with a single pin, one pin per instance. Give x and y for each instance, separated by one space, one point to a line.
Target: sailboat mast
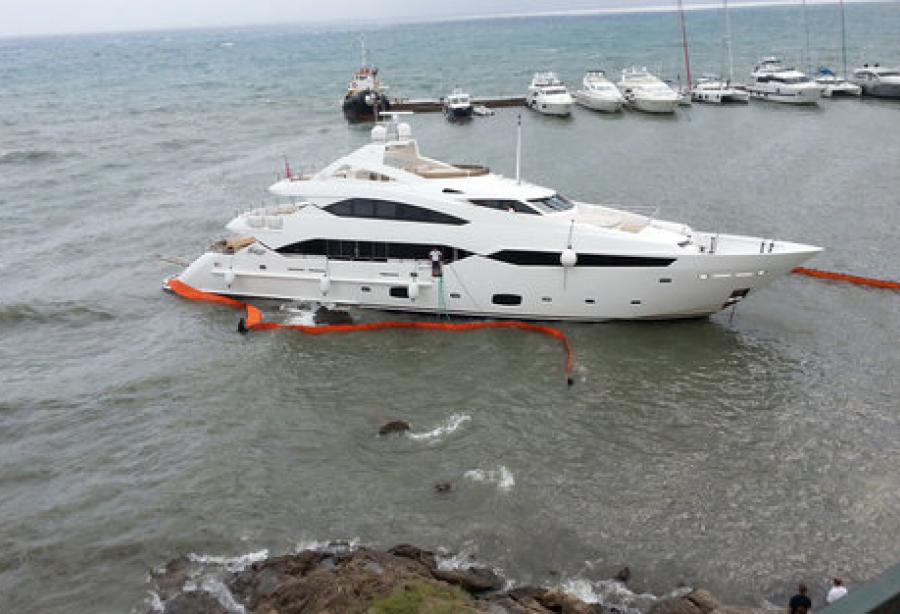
843 42
687 59
806 30
728 42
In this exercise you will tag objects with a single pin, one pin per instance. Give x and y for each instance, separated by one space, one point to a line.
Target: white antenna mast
519 151
728 42
365 55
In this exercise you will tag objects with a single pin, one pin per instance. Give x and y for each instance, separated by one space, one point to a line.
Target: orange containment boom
850 279
254 321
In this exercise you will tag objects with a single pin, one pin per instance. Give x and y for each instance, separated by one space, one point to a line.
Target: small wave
501 476
230 563
178 144
611 594
451 424
219 592
28 156
67 312
337 546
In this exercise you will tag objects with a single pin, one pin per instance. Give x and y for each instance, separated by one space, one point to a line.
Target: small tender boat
713 90
548 95
771 81
599 93
646 92
878 81
832 85
483 111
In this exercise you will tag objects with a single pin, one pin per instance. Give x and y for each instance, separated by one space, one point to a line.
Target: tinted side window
389 210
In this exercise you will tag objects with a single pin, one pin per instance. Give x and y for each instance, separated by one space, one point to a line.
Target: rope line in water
254 320
850 279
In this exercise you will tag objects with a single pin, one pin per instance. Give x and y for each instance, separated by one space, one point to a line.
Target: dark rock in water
396 426
327 316
557 601
675 605
443 487
704 600
623 575
168 582
195 602
473 580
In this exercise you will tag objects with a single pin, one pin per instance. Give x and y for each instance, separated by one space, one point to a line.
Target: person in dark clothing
800 603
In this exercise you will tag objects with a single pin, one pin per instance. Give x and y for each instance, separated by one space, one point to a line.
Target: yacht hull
596 103
721 96
694 285
651 105
806 96
558 109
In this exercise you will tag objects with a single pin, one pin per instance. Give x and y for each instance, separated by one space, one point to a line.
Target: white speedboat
770 80
599 93
647 93
878 81
548 95
458 105
713 90
387 228
833 86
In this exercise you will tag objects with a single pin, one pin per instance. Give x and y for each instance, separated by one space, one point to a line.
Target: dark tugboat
458 106
365 96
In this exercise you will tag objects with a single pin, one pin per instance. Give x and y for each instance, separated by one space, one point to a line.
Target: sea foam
450 425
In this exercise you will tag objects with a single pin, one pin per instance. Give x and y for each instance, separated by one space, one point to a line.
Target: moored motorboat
878 81
599 93
646 92
713 90
772 81
387 228
458 105
548 95
365 97
833 86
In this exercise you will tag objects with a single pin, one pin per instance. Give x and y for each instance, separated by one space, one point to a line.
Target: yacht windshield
889 73
555 90
557 202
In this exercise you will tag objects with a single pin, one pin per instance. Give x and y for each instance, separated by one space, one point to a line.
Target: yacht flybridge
387 228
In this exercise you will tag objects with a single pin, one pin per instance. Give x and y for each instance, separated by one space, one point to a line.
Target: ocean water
742 452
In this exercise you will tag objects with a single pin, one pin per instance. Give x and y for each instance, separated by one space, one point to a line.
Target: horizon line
398 21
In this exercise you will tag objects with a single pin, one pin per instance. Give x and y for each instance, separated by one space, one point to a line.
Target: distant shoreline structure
348 25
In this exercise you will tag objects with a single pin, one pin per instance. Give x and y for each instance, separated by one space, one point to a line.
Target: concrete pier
433 105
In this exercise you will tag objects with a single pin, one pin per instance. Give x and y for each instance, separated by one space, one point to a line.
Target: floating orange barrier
254 320
850 279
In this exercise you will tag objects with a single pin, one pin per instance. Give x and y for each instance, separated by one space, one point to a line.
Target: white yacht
458 105
878 81
833 86
364 232
599 93
645 92
548 95
770 80
714 90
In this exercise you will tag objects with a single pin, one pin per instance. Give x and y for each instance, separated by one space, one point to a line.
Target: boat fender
413 290
325 285
229 277
568 258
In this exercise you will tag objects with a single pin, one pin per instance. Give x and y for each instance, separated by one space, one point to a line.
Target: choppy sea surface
742 452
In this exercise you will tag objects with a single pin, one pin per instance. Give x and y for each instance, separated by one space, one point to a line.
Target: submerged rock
443 487
195 602
396 426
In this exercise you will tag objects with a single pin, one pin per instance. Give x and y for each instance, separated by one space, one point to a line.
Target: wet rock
557 601
407 551
473 580
704 600
169 581
623 575
396 426
325 316
675 605
195 602
443 487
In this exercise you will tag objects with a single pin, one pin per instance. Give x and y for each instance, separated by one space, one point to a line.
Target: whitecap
450 425
610 594
501 476
339 546
232 563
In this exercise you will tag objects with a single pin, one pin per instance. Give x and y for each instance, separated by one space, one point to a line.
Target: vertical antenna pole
519 150
806 30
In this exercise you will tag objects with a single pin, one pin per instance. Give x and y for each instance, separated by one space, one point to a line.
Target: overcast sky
28 17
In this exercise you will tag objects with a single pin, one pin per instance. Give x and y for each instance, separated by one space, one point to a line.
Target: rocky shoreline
401 580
